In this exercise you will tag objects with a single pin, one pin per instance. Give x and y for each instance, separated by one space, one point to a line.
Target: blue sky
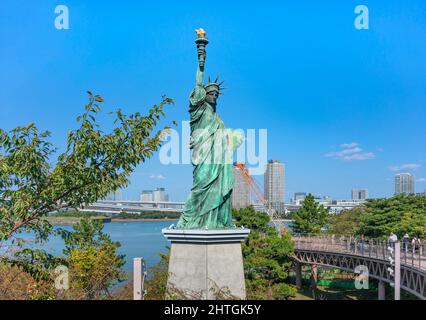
299 69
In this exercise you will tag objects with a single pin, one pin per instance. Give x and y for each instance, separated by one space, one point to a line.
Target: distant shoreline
73 220
141 219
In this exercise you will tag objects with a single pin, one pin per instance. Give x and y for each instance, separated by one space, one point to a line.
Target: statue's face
212 96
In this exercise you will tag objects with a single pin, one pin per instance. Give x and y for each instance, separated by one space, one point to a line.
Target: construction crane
254 186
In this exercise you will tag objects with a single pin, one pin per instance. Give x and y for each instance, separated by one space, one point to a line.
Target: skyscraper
240 194
274 185
146 195
359 194
404 183
114 196
157 195
160 195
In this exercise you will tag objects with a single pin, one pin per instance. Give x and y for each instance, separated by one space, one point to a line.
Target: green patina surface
209 203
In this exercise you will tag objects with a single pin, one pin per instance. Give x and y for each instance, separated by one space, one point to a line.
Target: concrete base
314 276
206 264
298 271
382 290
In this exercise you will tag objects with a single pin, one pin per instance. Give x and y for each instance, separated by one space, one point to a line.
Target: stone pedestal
206 264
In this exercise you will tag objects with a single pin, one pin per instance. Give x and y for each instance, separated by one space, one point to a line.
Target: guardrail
412 254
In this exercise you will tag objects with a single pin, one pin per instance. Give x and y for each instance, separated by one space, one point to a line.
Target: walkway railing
412 254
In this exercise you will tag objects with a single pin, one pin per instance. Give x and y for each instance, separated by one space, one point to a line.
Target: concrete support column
382 290
314 276
298 271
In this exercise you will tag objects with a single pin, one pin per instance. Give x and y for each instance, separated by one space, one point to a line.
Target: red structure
256 189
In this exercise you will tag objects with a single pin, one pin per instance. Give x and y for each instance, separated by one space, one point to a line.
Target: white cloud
157 177
421 180
406 166
360 156
349 145
343 153
350 152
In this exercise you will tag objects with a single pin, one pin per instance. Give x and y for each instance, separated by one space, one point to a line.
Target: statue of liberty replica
209 203
205 254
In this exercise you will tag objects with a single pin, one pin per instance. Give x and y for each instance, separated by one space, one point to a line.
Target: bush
266 256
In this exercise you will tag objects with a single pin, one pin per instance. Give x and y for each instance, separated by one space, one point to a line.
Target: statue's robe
209 203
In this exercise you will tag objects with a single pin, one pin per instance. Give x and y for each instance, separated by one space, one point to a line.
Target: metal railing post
369 248
384 244
405 251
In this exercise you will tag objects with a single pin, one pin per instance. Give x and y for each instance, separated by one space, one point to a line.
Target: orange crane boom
251 182
259 194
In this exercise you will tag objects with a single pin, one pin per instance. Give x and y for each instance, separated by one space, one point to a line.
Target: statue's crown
214 86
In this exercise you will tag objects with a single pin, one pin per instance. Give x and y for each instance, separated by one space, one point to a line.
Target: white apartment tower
157 195
359 194
404 183
274 184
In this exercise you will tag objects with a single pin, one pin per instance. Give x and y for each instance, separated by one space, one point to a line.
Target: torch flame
200 32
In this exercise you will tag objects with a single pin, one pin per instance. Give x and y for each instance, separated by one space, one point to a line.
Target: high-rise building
274 185
240 194
359 194
146 195
157 195
114 196
299 197
160 195
404 183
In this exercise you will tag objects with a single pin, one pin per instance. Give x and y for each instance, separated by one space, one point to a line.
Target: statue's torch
201 42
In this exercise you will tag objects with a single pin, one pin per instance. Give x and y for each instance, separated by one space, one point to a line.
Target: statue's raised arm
201 50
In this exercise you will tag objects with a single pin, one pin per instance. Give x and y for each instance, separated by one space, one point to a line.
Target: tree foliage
266 257
94 264
93 164
156 285
347 222
378 218
17 284
402 214
251 219
310 218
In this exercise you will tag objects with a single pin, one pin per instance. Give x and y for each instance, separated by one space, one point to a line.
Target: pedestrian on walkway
393 237
361 244
413 244
405 242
